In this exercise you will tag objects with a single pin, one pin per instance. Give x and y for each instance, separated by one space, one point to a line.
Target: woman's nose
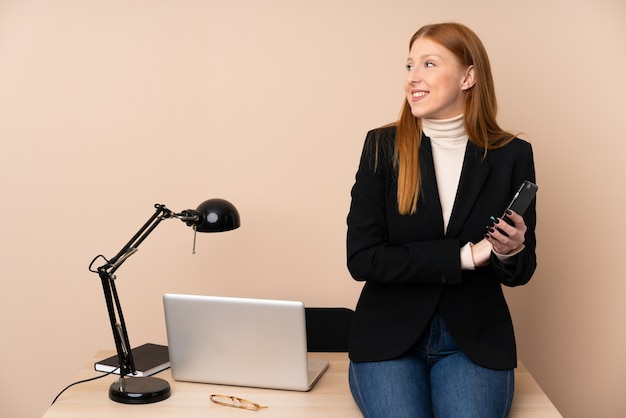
413 76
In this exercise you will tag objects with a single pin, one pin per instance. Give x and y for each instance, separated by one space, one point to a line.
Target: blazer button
444 279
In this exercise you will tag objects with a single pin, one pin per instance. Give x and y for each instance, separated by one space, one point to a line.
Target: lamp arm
118 325
131 247
107 277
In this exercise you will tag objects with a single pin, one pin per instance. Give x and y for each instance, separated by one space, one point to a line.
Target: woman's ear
470 78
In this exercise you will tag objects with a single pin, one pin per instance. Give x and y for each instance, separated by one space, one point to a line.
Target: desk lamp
213 215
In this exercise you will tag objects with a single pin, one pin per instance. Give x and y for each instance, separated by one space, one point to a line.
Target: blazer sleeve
373 252
519 270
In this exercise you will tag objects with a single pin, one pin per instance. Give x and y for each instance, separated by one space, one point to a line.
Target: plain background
108 107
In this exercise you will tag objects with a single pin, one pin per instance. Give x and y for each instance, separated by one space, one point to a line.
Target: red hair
480 109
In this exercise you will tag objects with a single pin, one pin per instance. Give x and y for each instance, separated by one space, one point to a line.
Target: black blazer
411 268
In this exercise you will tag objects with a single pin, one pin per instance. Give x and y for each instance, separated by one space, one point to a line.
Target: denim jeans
433 379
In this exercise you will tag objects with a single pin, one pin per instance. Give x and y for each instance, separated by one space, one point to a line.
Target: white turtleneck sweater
448 141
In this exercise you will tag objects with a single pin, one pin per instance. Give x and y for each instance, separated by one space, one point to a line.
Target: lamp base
139 390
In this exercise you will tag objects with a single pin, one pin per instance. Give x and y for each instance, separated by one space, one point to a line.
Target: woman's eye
429 64
409 67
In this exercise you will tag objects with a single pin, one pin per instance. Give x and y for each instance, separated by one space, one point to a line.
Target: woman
432 334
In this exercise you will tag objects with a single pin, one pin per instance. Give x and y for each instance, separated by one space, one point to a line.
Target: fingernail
487 236
508 212
494 219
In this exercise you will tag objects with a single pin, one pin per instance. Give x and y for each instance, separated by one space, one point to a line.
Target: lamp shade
217 215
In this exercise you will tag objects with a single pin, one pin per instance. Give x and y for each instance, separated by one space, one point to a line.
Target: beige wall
107 107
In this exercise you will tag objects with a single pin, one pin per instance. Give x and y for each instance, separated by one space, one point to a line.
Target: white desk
329 398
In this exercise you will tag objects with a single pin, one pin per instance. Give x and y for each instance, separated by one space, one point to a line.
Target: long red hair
480 110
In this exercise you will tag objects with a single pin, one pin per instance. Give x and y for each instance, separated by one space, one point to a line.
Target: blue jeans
433 379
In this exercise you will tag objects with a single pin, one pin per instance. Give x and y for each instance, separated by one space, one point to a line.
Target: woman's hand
505 238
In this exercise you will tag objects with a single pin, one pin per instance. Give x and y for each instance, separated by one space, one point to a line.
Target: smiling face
436 81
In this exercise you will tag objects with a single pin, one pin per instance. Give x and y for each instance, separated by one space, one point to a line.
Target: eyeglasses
235 402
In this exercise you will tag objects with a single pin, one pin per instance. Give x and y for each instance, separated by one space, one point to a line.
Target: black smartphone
522 198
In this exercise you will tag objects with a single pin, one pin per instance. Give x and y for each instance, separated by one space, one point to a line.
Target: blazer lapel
429 194
473 175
